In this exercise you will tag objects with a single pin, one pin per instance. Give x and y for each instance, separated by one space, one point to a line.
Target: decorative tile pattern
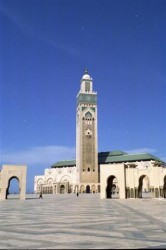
83 222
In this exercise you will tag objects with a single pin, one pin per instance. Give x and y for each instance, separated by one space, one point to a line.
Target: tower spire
86 71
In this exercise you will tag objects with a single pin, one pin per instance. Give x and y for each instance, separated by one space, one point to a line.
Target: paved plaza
85 222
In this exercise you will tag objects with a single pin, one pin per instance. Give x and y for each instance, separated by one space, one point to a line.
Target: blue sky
45 47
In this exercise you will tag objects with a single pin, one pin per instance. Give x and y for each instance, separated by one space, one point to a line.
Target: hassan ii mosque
114 174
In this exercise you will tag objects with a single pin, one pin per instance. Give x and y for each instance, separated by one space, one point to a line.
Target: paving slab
65 221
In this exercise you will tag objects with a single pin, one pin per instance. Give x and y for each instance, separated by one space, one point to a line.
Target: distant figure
40 196
77 194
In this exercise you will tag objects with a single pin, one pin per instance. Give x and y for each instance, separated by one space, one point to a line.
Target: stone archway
62 189
40 184
87 189
9 172
82 189
112 186
143 186
76 189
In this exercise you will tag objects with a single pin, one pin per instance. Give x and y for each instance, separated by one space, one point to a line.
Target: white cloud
141 150
38 155
47 155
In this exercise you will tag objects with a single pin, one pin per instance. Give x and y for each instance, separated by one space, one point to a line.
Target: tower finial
86 70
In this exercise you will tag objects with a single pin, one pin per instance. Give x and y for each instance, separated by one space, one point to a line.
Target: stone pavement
85 222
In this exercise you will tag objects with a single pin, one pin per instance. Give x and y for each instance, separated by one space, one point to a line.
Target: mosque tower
86 132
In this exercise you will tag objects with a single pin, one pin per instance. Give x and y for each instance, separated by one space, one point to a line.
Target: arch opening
76 189
88 189
112 189
13 189
82 189
143 187
62 189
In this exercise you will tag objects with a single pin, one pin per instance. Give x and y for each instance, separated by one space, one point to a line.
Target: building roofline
111 157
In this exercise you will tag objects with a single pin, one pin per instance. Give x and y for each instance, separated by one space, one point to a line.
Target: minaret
86 132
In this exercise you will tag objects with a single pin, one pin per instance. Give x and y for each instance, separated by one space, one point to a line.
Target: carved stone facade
56 180
60 180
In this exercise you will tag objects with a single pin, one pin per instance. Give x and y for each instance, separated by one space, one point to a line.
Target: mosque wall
53 178
133 180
